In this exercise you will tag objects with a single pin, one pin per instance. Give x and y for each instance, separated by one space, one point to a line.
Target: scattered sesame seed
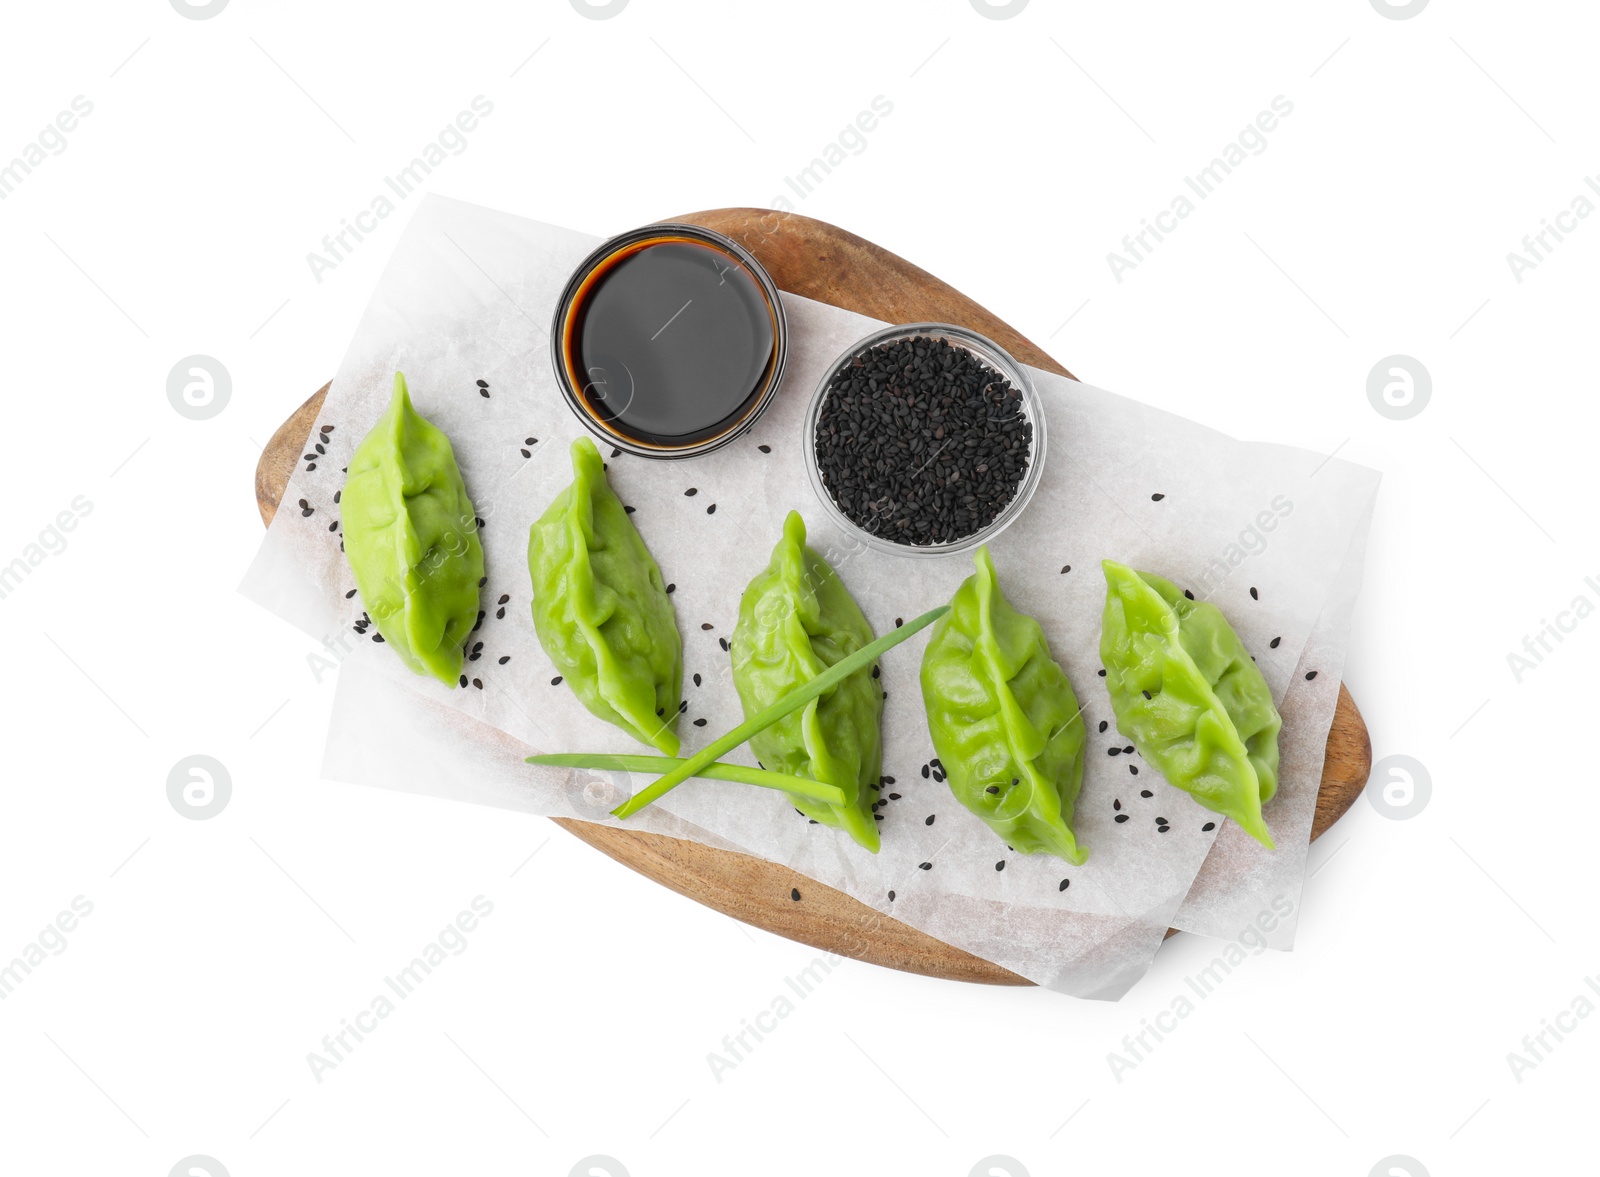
556 681
1122 817
928 821
701 722
794 893
1156 498
1310 674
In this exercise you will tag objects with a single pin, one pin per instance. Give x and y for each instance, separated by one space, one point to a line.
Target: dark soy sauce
670 342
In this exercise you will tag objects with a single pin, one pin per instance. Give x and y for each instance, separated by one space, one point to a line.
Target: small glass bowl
560 332
988 352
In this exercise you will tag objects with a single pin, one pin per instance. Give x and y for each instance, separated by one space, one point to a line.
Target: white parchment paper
1264 531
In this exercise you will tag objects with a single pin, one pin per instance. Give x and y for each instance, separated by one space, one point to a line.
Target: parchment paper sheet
469 295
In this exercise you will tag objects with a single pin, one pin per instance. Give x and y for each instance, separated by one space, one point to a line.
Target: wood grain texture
817 260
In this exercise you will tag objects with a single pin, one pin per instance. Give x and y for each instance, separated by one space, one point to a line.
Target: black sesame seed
1116 804
526 452
327 429
1157 498
1310 674
992 789
683 705
500 613
1188 594
875 670
1065 883
1133 769
928 821
724 642
1254 596
925 771
894 796
1001 865
350 594
888 780
556 681
697 680
1128 751
628 510
504 658
530 441
504 597
1113 751
1162 829
1104 724
1161 821
898 622
712 509
706 625
767 449
794 893
482 383
463 680
700 722
484 393
924 866
1147 694
1121 817
1208 827
877 817
921 442
691 492
615 452
1146 793
478 682
1274 642
337 495
1102 674
1066 568
672 588
891 893
377 637
482 580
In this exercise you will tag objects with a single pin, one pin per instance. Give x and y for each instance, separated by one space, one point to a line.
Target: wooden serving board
817 260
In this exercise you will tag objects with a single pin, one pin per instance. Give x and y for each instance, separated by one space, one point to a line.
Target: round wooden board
817 260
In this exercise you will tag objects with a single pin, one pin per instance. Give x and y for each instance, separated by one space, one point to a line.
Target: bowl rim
597 256
990 353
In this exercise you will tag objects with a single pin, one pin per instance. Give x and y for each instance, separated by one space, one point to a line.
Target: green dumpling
1189 696
796 619
1005 723
411 537
601 609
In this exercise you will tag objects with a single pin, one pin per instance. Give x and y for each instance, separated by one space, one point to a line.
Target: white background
177 221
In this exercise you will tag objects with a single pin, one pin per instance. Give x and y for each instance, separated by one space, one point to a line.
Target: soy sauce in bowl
669 341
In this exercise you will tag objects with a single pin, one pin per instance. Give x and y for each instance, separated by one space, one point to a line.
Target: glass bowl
563 359
986 351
